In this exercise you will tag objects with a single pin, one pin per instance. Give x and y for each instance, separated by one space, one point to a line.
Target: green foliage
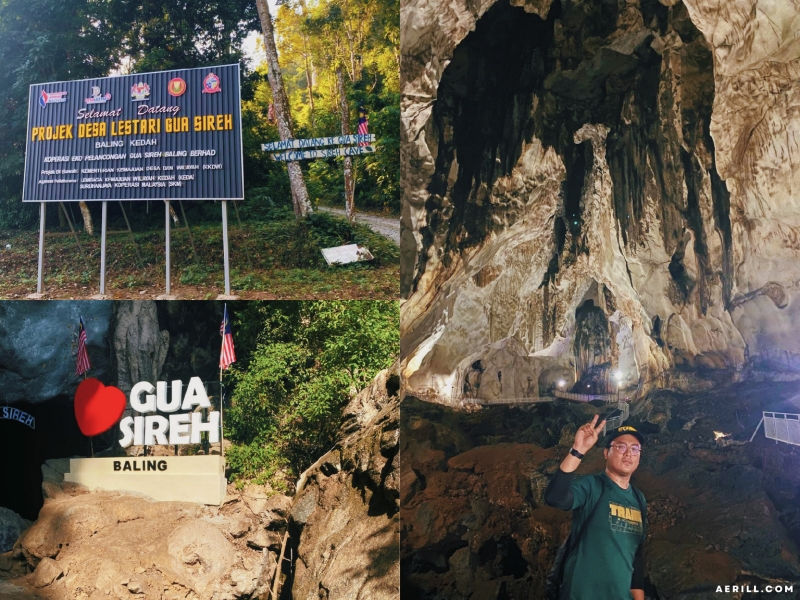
303 362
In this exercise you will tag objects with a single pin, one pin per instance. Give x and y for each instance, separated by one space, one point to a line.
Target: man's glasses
622 448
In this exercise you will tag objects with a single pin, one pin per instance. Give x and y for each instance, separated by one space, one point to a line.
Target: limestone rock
551 228
139 344
11 526
348 516
38 359
46 572
121 545
256 496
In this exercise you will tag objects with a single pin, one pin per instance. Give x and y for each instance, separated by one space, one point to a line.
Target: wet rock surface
721 511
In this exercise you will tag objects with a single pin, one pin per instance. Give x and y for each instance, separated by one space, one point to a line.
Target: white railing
782 427
585 397
617 420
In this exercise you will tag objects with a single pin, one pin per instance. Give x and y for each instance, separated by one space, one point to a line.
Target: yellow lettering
228 122
48 133
198 123
219 122
102 129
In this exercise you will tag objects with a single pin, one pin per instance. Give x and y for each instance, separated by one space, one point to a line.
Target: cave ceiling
636 158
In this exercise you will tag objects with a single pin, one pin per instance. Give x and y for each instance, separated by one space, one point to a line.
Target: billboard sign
173 135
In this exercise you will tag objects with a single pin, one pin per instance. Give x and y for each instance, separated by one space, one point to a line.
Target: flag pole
221 398
91 439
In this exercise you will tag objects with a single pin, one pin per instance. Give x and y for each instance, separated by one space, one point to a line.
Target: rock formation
39 342
609 184
720 511
11 526
346 508
114 545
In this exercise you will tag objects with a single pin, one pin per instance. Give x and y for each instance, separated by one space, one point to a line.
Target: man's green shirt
601 567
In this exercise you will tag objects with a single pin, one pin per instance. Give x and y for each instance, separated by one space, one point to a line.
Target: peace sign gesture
587 435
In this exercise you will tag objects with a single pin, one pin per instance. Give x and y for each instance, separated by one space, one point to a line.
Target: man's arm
559 490
637 581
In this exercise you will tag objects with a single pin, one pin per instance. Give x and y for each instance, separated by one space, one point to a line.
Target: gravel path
388 227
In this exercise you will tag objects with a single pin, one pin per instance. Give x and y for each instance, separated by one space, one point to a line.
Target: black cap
624 430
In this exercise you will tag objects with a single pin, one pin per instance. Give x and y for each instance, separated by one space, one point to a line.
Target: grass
277 258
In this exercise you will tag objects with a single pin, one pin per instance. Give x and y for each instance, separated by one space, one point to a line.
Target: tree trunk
87 218
302 206
309 80
349 188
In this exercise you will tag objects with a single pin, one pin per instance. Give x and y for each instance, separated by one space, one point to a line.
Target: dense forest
56 40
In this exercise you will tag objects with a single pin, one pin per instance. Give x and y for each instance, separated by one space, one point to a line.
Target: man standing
608 518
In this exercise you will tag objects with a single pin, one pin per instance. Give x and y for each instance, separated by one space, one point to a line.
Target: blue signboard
167 135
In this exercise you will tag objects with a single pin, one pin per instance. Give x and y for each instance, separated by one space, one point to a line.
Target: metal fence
782 427
584 397
618 416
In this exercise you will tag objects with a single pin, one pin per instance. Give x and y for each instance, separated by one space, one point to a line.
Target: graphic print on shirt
625 519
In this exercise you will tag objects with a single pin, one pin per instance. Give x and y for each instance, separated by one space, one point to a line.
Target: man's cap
624 430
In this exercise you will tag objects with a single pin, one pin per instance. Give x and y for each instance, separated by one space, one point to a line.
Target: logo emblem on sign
51 97
97 97
98 407
176 87
211 84
140 91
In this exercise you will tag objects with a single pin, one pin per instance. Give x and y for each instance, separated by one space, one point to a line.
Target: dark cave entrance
25 450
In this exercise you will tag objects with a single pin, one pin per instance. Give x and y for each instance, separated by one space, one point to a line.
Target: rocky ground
106 544
721 512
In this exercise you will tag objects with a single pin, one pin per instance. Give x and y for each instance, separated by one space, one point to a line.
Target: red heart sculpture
97 407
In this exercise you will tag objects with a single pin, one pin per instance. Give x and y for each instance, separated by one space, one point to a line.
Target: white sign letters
179 429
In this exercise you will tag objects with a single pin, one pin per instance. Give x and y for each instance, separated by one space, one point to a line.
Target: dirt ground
254 275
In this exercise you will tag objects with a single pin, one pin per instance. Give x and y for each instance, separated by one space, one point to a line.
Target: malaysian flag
226 356
363 125
83 356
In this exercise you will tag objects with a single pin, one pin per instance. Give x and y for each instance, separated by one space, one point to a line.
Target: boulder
46 572
11 526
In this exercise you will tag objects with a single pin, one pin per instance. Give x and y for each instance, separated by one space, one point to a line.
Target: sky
255 57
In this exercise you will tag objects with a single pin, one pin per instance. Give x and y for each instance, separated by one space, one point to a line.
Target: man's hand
587 435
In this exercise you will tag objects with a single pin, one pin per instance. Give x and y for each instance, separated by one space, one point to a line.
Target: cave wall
639 154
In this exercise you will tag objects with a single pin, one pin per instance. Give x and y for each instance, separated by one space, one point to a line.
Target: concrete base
100 297
199 479
227 297
35 296
166 297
